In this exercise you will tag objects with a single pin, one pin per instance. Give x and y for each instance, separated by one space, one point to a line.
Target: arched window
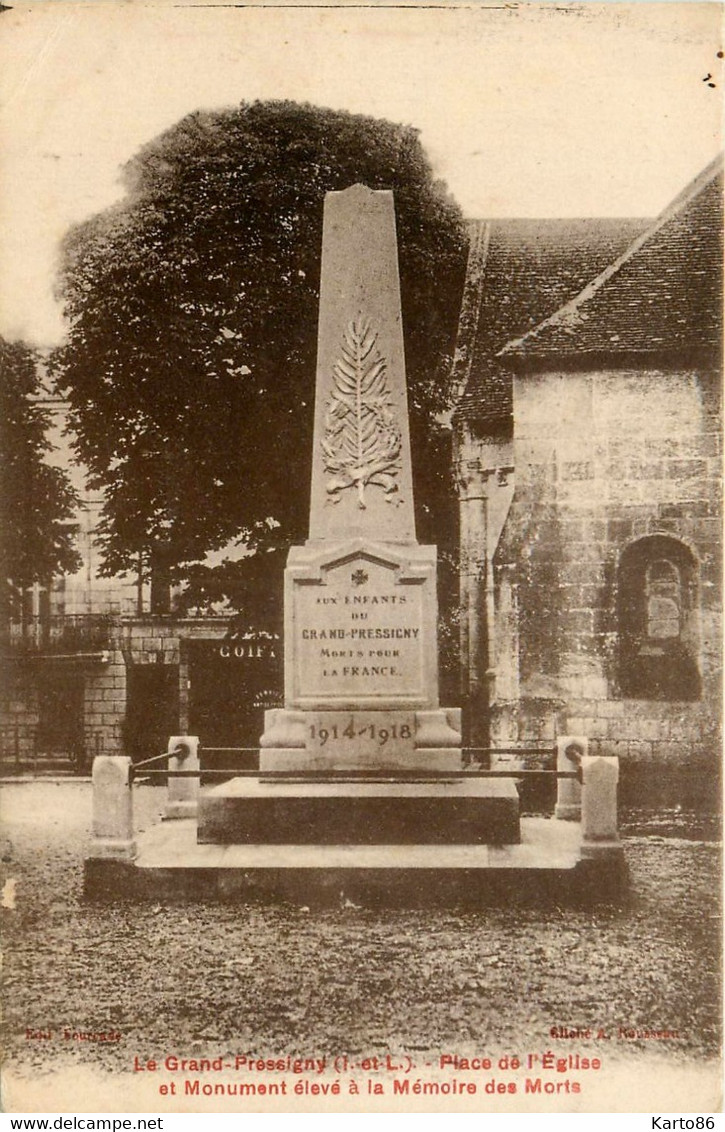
657 607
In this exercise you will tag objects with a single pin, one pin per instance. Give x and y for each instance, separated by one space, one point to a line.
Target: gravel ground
216 978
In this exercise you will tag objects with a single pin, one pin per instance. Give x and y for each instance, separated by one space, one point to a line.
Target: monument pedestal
360 639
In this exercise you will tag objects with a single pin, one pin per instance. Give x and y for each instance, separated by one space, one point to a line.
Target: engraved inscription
361 733
353 642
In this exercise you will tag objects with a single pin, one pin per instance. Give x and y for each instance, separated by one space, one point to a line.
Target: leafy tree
35 498
190 359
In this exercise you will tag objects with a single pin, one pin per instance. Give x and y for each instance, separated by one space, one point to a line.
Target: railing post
112 809
182 798
599 807
570 750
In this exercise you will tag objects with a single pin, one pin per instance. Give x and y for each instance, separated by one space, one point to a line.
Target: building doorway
152 709
231 683
60 714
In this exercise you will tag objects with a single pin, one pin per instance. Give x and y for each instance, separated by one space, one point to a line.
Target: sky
524 109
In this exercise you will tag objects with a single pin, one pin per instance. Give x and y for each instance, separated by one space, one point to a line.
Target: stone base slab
177 810
107 849
568 811
544 867
591 850
252 811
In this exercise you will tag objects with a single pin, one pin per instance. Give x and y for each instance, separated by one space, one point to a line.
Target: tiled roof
662 296
519 272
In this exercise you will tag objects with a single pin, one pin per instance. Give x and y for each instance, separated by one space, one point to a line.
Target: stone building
587 443
80 684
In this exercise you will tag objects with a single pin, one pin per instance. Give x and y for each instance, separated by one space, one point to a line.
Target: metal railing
62 633
356 775
586 789
24 747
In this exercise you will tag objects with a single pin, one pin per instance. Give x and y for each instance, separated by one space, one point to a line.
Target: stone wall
601 460
104 703
134 642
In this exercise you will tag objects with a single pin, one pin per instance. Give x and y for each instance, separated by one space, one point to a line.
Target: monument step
544 866
249 811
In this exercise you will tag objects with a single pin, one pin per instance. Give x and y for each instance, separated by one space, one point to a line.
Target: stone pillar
570 750
182 797
507 640
112 809
473 579
599 807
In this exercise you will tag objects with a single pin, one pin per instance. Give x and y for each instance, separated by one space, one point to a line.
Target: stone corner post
182 798
599 807
570 751
113 834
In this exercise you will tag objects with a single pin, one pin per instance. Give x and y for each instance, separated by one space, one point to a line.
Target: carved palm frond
362 440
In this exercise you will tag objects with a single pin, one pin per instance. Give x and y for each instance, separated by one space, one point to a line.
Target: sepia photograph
361 513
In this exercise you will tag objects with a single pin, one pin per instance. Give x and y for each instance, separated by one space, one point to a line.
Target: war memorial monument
362 777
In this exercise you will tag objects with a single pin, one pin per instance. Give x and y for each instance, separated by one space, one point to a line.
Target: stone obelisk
361 656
